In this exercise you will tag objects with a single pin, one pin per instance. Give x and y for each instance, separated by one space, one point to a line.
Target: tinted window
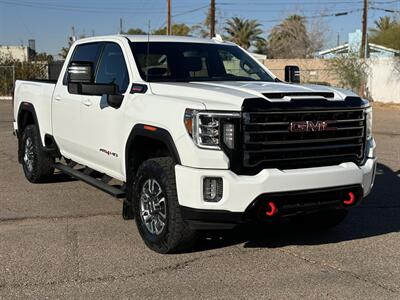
170 61
112 67
85 52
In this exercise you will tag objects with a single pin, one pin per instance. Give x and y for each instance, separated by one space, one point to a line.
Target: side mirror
292 74
80 72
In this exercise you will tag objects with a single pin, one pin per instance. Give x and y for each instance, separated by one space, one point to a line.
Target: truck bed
39 93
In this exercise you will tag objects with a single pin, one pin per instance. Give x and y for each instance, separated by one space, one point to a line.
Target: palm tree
290 39
383 24
243 32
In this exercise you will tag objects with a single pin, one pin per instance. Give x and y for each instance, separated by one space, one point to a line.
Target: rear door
102 124
67 116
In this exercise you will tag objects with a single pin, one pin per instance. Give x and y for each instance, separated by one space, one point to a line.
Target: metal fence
7 79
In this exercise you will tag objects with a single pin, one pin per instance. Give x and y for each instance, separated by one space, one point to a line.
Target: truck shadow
378 214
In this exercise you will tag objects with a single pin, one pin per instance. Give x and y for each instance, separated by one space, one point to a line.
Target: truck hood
229 95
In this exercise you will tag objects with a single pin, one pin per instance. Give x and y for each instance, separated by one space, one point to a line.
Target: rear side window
86 52
112 67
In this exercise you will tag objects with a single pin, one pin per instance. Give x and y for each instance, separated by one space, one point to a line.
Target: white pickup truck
196 134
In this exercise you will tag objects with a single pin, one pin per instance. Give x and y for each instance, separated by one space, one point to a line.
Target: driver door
103 124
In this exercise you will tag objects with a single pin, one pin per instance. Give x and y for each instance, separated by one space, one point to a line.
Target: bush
350 71
23 70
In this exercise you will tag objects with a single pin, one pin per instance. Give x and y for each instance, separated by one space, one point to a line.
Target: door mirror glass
292 74
80 72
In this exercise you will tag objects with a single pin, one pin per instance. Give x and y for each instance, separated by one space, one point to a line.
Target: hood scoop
279 96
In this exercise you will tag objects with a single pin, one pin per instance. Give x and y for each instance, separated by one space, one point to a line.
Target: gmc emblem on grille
306 126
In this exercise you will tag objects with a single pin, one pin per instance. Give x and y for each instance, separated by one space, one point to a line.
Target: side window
112 67
86 52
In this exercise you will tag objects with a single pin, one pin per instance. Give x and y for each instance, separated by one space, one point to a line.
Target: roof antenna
148 52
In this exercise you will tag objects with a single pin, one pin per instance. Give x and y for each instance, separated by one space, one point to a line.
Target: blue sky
49 22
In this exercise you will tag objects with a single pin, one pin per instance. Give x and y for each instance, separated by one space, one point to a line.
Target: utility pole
169 29
120 25
212 19
363 49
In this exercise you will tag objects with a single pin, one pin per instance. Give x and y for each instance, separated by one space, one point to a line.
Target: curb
5 98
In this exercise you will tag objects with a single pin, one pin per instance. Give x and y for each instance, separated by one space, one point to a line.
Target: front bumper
239 192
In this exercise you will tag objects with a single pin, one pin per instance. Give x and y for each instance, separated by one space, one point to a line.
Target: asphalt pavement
65 239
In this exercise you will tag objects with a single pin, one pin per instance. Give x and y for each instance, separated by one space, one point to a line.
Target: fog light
212 189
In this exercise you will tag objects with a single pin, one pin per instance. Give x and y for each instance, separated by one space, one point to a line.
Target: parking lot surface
66 239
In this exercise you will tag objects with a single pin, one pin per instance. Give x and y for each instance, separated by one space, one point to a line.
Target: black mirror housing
292 74
115 101
92 89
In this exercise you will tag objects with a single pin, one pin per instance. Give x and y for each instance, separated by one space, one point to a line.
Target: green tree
384 23
135 31
177 29
23 70
350 71
261 47
44 57
386 33
244 32
290 39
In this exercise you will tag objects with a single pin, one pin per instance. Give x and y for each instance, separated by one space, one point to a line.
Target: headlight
209 129
368 120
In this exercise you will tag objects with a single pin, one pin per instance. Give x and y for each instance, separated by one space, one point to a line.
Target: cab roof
160 38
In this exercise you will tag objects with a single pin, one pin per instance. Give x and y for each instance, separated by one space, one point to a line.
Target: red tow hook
351 200
271 209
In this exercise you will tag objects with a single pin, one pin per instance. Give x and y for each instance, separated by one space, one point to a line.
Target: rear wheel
156 208
37 165
321 220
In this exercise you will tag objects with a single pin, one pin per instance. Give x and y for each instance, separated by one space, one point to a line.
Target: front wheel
156 208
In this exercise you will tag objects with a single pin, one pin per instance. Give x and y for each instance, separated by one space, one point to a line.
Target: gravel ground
67 240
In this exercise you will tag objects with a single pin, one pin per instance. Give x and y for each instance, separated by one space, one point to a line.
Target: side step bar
112 190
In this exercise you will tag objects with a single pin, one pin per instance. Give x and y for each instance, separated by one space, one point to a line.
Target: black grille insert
267 141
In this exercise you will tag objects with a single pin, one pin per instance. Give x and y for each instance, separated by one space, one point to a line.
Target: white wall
384 80
15 52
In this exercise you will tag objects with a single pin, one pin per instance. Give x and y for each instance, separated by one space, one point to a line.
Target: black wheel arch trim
156 133
24 107
51 149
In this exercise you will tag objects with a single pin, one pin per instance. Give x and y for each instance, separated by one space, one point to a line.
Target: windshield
174 61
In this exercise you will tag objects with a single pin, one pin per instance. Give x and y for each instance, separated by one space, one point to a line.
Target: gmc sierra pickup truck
194 135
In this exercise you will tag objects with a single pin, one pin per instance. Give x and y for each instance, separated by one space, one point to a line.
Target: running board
109 189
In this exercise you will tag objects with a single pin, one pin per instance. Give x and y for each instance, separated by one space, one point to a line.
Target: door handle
87 102
58 98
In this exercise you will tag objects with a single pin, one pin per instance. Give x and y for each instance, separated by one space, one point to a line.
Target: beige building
21 53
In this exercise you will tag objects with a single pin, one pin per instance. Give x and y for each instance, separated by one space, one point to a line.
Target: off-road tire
41 164
176 235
